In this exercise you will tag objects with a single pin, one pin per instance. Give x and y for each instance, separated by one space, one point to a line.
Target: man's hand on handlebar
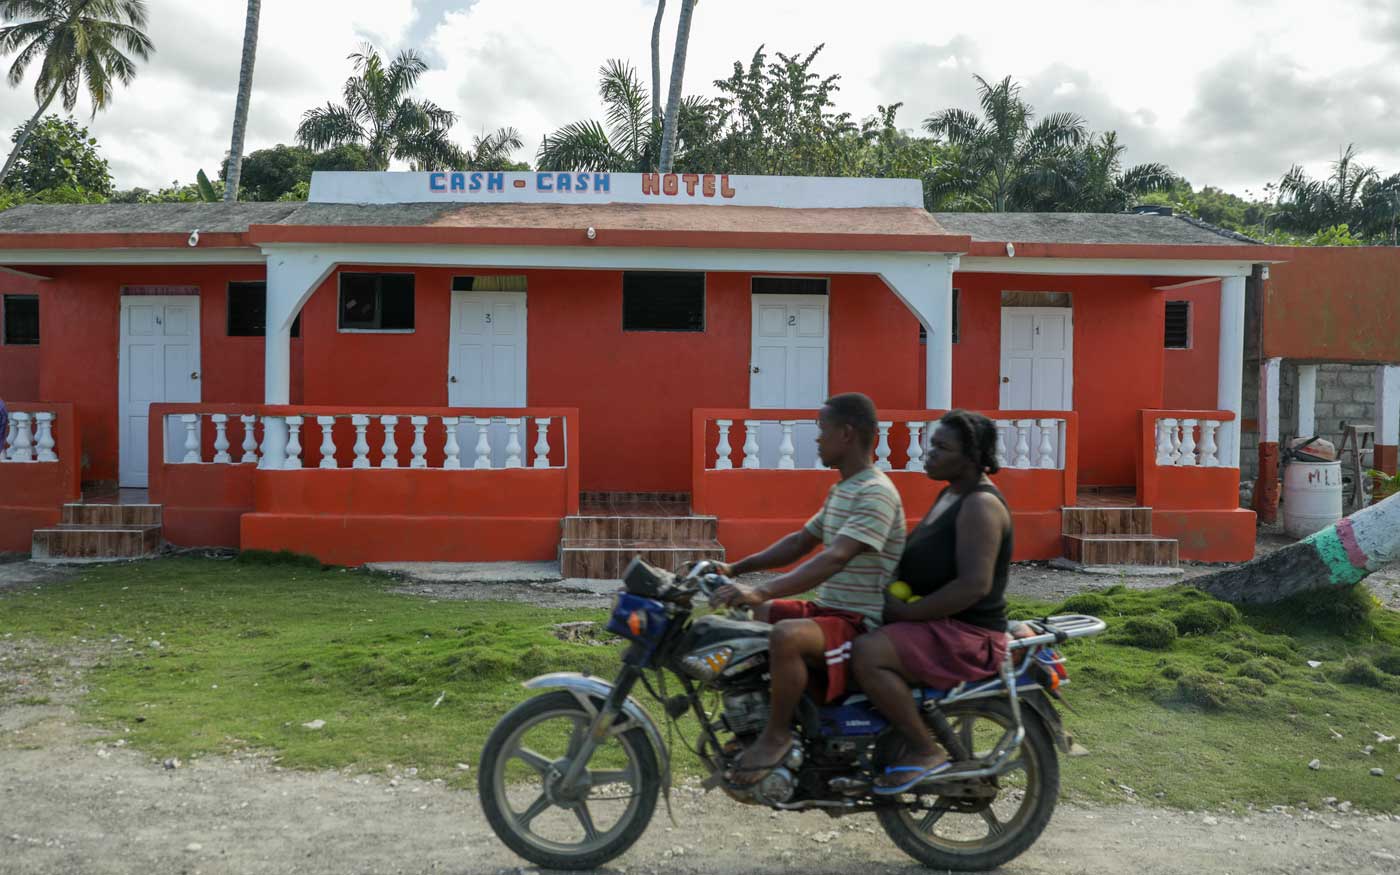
734 595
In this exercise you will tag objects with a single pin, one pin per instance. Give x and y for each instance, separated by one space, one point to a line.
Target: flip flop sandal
920 774
761 771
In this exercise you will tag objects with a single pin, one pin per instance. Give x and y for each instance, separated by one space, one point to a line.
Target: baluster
361 423
419 448
542 441
882 447
293 460
723 462
391 449
1165 427
20 449
43 441
916 447
751 443
191 421
786 449
327 424
451 451
6 440
1003 426
483 443
221 456
1209 459
1023 447
1188 443
1176 441
1048 457
513 448
250 440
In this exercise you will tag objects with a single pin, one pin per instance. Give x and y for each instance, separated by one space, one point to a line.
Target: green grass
1184 697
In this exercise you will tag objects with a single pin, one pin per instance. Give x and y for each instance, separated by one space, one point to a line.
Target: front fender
587 689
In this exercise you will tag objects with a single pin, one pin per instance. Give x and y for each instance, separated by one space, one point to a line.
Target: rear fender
1044 710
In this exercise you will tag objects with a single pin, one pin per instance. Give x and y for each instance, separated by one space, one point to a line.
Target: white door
1037 358
487 363
159 362
788 368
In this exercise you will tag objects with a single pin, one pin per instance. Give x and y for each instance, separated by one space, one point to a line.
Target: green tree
1092 179
233 169
1307 205
492 151
380 114
267 174
1001 161
80 46
59 154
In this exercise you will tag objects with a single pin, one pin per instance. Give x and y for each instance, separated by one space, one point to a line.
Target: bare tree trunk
673 100
24 137
656 63
245 93
1340 555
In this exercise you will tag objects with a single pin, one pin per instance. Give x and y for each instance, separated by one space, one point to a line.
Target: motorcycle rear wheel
524 759
979 840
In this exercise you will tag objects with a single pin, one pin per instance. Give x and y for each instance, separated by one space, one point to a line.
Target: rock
1368 750
154 645
1344 807
1315 765
1384 857
1378 773
172 763
1382 738
1209 821
1078 750
1336 736
1329 800
1313 663
462 767
314 724
194 847
822 838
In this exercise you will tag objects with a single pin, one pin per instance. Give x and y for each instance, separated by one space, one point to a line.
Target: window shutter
1178 325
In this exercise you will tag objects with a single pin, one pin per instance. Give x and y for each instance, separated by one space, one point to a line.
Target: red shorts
944 653
839 629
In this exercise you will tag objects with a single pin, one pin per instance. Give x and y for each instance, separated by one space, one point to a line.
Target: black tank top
930 562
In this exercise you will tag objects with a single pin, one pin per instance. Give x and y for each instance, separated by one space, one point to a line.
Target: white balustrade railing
1183 442
29 437
770 443
496 442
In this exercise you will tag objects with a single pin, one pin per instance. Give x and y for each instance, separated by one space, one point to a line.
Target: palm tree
1000 161
656 62
492 151
245 94
1309 205
85 45
671 123
379 114
1095 181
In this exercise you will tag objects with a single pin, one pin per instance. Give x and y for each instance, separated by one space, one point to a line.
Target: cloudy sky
1227 92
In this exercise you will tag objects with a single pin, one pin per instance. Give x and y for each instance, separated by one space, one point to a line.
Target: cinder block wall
1346 394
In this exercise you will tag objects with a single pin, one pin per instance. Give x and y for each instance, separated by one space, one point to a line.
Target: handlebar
708 581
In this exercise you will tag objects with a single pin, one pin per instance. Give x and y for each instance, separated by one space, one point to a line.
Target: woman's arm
980 526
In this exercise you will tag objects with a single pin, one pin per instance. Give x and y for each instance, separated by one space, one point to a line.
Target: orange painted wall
1191 376
19 365
80 326
1338 304
32 493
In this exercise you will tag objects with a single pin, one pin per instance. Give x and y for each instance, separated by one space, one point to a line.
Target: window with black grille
923 332
247 310
1178 331
376 302
789 285
663 301
21 318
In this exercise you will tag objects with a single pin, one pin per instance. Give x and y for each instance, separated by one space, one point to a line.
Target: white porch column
1230 387
1387 416
1307 401
926 287
291 278
1268 400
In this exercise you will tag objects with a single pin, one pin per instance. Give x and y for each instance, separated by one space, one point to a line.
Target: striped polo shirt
867 508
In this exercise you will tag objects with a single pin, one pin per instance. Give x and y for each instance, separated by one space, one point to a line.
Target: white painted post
916 447
1387 405
1307 401
20 449
43 437
513 443
391 448
1209 449
1023 448
327 424
1003 426
1188 443
935 309
1048 458
361 423
192 453
483 443
250 438
751 443
1230 387
6 440
882 447
786 448
542 441
293 460
1165 446
221 456
451 451
723 462
419 448
1268 400
274 443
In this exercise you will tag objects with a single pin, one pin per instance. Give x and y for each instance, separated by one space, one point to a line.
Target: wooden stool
1355 440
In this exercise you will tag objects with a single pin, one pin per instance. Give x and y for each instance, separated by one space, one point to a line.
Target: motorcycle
570 779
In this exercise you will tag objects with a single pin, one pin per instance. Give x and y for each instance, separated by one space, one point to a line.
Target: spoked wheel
976 831
552 824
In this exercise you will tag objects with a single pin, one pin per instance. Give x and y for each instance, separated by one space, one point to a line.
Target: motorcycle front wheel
963 836
524 798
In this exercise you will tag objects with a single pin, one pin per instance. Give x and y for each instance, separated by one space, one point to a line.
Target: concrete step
607 558
84 514
1106 520
677 529
81 543
1144 550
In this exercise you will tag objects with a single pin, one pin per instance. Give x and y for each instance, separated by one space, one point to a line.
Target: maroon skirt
944 653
